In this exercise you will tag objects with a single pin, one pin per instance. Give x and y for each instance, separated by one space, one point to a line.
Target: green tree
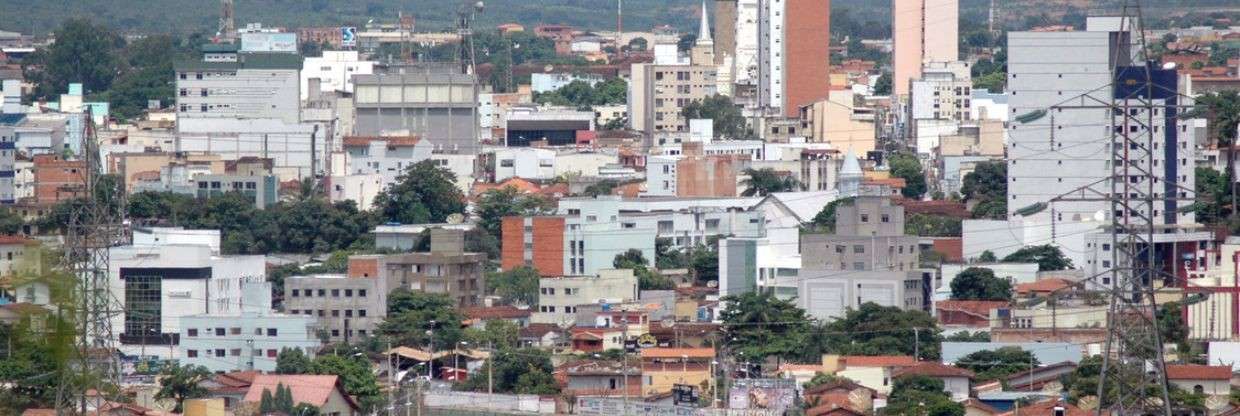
987 256
727 117
495 204
355 375
920 395
497 334
1222 111
977 283
518 285
293 361
10 222
930 225
825 220
83 53
763 182
908 167
1047 257
987 185
883 85
998 363
603 187
965 336
521 371
411 315
759 325
821 378
877 330
424 193
647 278
180 383
1171 324
705 264
1212 196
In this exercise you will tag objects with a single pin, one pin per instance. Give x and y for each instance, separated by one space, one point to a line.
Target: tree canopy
978 283
582 94
920 395
759 325
765 181
518 285
412 314
879 330
998 363
516 371
424 193
1047 257
908 167
987 185
728 120
647 278
181 383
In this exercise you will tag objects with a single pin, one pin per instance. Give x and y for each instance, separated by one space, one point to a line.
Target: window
335 332
859 249
335 313
203 92
294 293
839 249
271 332
193 332
348 293
219 332
322 293
348 313
865 217
361 313
361 293
235 352
335 293
234 331
219 352
885 218
271 353
191 353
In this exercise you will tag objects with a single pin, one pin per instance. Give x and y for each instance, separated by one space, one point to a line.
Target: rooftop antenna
227 30
464 29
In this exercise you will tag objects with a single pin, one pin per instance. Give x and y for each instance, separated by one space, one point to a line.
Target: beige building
840 121
982 138
130 165
924 31
657 93
558 297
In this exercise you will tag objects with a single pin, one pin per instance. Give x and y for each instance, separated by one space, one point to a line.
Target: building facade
923 31
559 297
657 93
334 71
435 102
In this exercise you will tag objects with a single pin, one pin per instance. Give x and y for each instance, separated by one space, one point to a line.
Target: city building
939 100
693 173
388 156
867 259
703 50
347 308
658 91
559 297
794 54
923 31
576 243
548 82
57 179
663 368
725 32
166 275
525 163
684 223
841 122
227 83
250 339
432 101
447 269
551 126
334 71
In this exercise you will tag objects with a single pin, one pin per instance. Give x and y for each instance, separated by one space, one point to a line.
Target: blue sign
348 36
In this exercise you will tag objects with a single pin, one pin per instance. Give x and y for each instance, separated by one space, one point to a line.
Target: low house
975 407
1042 288
540 335
231 387
1212 380
1054 407
956 380
597 339
966 314
663 368
874 372
324 392
600 378
478 316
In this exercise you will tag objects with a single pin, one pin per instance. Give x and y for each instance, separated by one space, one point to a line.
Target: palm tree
763 182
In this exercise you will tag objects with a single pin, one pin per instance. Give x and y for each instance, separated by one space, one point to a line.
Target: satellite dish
1100 216
455 218
712 283
548 68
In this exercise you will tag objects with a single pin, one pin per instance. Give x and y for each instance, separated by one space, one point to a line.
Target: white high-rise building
745 60
771 40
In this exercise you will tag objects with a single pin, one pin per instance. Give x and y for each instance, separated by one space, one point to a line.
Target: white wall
335 70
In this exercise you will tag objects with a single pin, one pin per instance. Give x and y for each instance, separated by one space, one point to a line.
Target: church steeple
703 51
704 27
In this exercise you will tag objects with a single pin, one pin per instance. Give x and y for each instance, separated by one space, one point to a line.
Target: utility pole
491 368
916 344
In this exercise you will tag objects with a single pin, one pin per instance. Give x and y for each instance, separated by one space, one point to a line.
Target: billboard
770 394
348 36
269 42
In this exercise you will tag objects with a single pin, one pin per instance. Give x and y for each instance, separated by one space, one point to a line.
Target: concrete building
867 259
160 280
525 163
703 50
923 31
57 179
657 93
388 157
579 242
432 101
556 126
263 190
686 223
446 270
791 30
334 71
745 58
841 122
693 173
725 31
346 308
940 97
663 368
226 84
559 297
250 339
548 82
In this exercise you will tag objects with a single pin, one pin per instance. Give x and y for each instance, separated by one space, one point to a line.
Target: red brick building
533 241
807 53
56 179
701 175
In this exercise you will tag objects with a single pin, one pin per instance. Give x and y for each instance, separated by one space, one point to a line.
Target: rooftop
245 60
878 361
933 369
678 352
1198 372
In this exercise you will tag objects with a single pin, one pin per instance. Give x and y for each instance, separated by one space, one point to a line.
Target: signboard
630 345
348 36
647 341
771 394
269 42
684 394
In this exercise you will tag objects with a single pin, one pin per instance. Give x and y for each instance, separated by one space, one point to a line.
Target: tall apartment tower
924 31
794 54
725 30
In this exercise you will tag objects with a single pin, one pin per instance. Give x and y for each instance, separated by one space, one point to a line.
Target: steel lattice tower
93 227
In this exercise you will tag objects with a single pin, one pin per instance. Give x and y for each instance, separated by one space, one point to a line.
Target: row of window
235 352
551 309
568 291
322 293
348 313
219 332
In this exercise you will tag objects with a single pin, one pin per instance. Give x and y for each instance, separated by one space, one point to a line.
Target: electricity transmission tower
1142 205
94 225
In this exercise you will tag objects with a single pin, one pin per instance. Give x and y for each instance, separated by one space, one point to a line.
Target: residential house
1037 378
662 368
1211 380
559 297
967 315
874 372
323 392
601 378
480 316
540 335
956 380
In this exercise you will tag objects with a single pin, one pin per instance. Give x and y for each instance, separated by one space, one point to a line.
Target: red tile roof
16 239
933 369
535 330
495 312
1048 408
878 361
678 352
1044 285
979 308
313 390
1198 372
952 249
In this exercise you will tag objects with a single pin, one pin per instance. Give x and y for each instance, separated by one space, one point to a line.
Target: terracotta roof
1198 372
834 406
974 403
952 249
678 352
878 361
39 412
842 384
495 312
16 239
352 141
312 390
979 308
1044 285
534 330
933 369
892 182
1048 408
